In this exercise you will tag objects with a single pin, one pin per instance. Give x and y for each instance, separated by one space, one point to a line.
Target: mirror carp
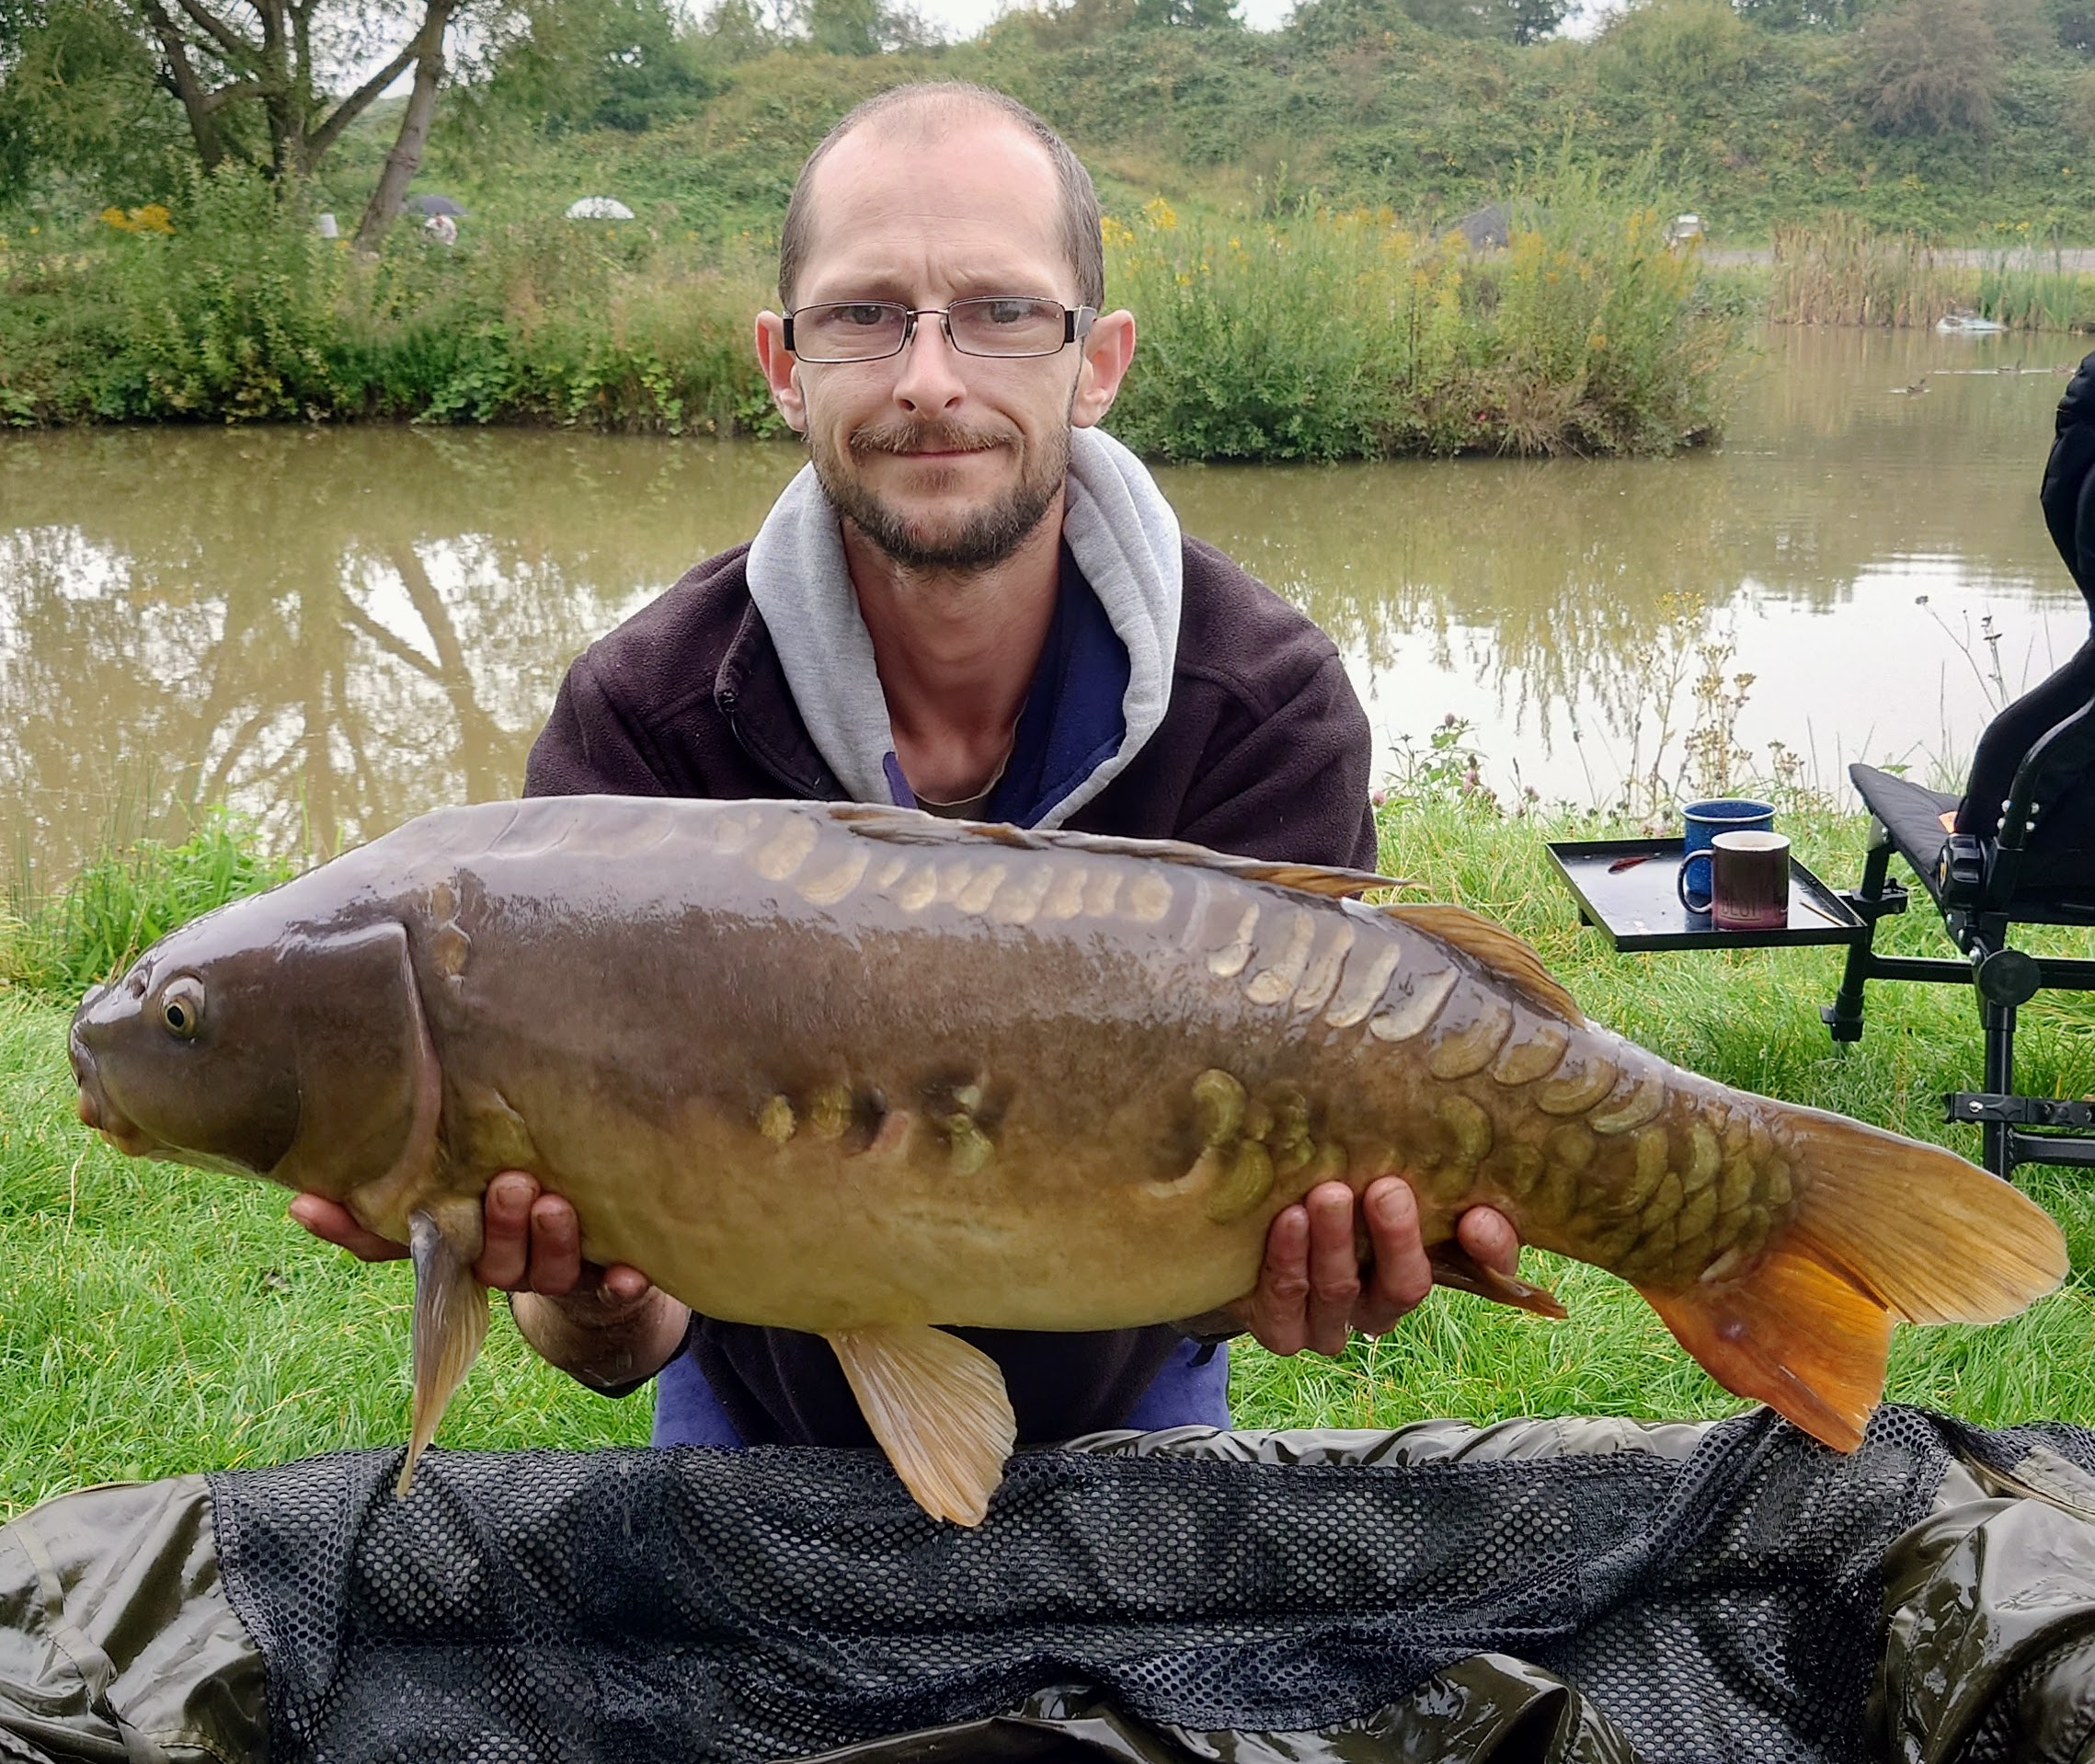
861 1072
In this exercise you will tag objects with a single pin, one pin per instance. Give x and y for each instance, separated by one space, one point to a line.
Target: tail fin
1885 1227
1929 1235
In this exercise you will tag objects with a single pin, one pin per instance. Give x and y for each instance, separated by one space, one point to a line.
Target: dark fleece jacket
1263 751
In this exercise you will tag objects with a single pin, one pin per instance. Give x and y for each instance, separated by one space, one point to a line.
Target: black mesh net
645 1605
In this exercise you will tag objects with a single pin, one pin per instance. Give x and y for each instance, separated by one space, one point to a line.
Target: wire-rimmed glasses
1004 326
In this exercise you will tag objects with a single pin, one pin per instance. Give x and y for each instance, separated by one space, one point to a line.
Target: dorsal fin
1512 958
913 827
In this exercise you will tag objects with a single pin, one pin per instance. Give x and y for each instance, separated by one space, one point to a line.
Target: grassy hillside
1747 127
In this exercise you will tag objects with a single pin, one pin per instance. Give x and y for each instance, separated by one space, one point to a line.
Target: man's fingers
1274 1310
334 1223
1334 1267
625 1285
1490 1238
555 1247
1403 1276
504 1248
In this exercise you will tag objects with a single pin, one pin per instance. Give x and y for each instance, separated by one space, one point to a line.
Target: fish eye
181 1006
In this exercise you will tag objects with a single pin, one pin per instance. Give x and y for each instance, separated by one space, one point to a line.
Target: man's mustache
923 438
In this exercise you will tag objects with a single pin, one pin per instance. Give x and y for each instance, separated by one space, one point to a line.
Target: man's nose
931 372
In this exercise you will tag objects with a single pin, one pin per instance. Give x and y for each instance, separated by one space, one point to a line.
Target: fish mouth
94 1107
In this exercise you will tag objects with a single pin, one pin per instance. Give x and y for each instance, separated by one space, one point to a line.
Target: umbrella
598 208
434 205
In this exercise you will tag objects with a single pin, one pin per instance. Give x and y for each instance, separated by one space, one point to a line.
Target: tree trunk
181 78
402 163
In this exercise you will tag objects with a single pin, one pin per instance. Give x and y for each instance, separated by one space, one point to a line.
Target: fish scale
861 1072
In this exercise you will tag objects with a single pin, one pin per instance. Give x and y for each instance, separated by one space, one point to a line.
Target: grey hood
1123 535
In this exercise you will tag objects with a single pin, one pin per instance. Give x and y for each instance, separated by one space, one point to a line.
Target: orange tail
1885 1228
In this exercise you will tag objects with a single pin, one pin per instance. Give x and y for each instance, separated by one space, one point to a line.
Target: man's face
943 460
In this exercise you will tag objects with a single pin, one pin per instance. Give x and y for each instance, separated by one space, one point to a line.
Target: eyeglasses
997 325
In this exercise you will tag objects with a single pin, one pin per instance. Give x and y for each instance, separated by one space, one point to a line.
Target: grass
155 1321
124 901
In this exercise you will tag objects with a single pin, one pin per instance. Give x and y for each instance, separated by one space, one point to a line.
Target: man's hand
1309 1292
604 1325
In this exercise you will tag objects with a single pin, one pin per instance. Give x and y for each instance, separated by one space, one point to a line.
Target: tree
1801 15
1529 21
738 30
858 26
78 92
1186 14
1518 21
249 73
1682 49
1327 24
1926 66
571 65
402 163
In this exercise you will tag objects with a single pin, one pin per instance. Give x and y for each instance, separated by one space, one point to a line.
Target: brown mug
1750 881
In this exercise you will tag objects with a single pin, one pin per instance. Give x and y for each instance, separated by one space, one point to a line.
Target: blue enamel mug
1703 822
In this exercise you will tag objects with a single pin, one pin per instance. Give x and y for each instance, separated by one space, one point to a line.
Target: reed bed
155 1321
1841 271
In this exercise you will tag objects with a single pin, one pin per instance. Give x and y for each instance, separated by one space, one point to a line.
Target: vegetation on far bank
1308 304
1318 335
155 1319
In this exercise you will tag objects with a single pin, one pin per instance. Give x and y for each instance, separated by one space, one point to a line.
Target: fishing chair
2017 849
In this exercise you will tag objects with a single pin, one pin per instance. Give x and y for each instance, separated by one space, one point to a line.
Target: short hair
936 102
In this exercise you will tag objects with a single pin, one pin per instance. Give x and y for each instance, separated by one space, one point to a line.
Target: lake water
337 629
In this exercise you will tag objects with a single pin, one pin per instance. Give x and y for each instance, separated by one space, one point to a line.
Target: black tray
1637 906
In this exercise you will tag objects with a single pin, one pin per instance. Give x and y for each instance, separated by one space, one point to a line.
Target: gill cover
369 1134
369 1090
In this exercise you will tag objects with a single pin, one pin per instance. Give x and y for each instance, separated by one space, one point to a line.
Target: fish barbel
861 1072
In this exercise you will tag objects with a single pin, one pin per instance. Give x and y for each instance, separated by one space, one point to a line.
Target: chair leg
1996 1138
1843 1017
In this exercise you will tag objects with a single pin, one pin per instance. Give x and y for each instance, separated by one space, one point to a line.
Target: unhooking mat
1587 1591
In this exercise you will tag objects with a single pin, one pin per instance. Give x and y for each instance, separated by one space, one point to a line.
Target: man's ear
781 371
1107 350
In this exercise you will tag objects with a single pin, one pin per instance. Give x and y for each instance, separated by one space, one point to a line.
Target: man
972 601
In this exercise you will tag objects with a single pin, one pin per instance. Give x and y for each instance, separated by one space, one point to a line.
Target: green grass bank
155 1319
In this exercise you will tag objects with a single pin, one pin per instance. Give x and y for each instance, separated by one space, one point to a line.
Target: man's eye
1009 312
865 313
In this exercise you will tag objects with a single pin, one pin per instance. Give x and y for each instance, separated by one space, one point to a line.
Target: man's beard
986 536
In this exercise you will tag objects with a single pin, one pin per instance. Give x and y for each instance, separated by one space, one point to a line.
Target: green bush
233 309
1928 67
1342 336
231 313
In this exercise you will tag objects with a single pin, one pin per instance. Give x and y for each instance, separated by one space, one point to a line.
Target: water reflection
332 629
1548 602
336 630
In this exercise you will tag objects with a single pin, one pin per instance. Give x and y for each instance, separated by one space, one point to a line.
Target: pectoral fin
451 1321
1454 1266
939 1409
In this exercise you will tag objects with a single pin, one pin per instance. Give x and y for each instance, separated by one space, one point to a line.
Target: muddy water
337 629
